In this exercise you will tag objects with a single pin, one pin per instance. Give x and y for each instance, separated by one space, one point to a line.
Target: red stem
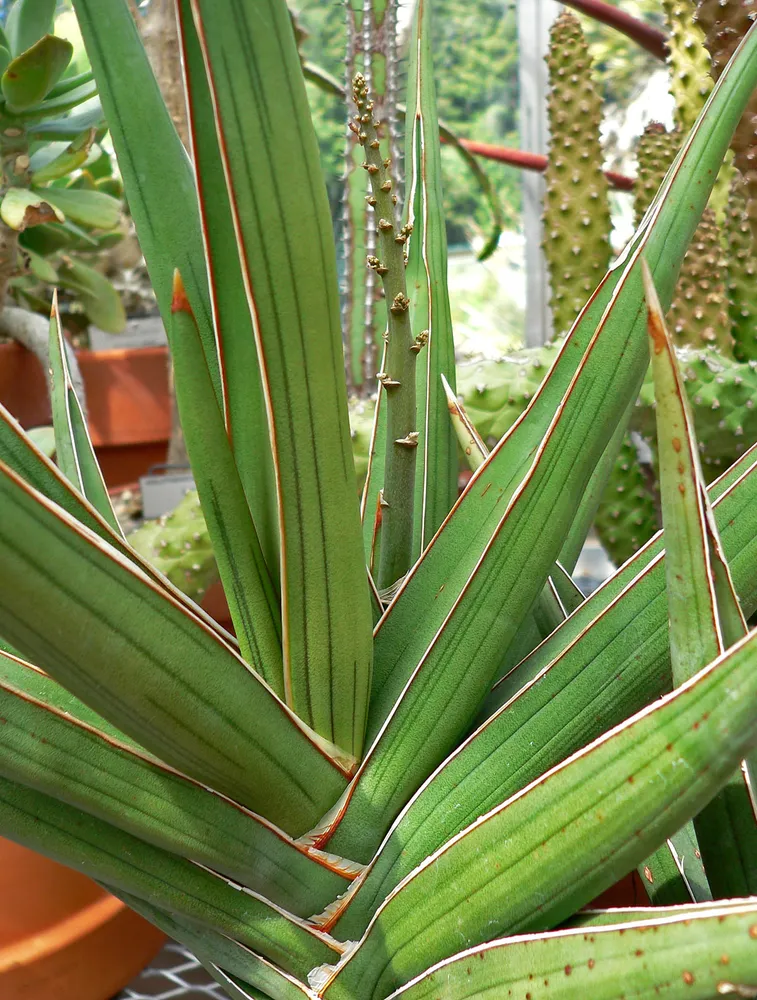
649 38
533 161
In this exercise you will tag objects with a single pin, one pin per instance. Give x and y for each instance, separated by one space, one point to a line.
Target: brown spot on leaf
568 969
35 215
591 963
753 931
676 444
648 874
656 331
688 977
681 489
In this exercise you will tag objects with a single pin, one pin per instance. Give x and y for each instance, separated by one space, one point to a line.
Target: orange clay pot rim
60 935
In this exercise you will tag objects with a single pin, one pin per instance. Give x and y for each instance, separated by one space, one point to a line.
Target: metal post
534 20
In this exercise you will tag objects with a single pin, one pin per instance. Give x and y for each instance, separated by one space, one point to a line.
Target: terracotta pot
127 399
61 936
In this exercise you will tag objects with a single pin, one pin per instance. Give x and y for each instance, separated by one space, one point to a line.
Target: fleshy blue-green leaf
27 22
272 165
45 746
165 210
436 469
74 452
606 808
113 856
244 401
94 621
706 954
253 605
29 76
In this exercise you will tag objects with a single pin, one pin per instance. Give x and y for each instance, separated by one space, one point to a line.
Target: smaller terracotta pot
127 400
61 936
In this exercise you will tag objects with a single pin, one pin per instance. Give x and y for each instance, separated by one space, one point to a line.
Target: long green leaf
710 953
371 497
233 956
237 989
113 856
244 401
122 785
587 677
425 683
705 616
73 447
165 210
664 236
605 808
100 626
695 633
271 160
21 455
436 469
253 605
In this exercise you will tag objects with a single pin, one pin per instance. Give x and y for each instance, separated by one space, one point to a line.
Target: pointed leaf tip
179 301
655 320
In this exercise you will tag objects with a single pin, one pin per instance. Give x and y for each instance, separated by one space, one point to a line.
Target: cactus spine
576 213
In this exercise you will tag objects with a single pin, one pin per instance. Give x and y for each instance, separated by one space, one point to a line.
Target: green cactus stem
398 377
371 49
628 514
699 312
688 61
742 274
178 545
576 206
655 151
691 82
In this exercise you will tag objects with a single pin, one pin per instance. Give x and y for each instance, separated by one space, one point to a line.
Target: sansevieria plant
424 753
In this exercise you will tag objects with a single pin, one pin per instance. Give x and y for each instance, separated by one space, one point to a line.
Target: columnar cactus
742 274
655 151
725 22
629 513
688 60
699 313
576 229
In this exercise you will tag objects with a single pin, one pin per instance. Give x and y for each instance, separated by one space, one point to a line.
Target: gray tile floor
174 974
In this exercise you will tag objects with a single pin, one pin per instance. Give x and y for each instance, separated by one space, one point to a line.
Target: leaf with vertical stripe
271 161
